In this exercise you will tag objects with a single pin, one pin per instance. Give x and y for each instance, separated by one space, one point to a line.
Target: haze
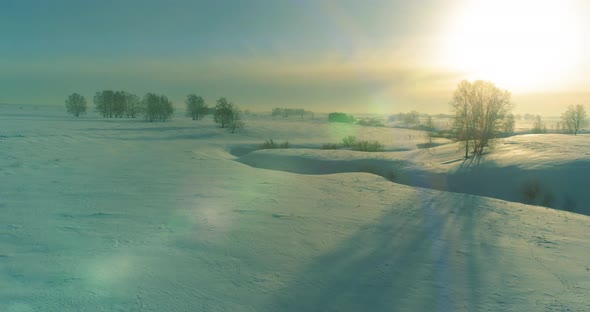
375 57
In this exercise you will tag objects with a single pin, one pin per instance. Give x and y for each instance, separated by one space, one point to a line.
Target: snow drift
124 215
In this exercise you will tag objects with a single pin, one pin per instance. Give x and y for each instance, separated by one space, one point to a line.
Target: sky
371 56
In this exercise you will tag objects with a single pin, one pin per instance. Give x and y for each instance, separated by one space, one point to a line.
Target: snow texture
126 215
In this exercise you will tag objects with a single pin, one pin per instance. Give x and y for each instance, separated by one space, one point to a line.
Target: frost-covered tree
430 129
574 119
196 107
235 121
76 104
480 110
157 107
460 105
223 112
134 107
104 102
119 104
539 125
509 124
411 119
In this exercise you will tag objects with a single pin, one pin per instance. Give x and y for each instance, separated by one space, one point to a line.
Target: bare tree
223 112
574 119
509 124
235 121
119 104
196 107
76 104
104 102
480 112
134 106
157 107
430 129
539 125
411 119
460 105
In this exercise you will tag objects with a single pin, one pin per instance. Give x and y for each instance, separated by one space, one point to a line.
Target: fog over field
383 57
304 155
127 215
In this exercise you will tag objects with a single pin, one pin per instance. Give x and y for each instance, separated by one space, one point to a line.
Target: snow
125 215
558 164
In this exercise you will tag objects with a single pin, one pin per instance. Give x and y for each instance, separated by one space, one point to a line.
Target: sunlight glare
521 45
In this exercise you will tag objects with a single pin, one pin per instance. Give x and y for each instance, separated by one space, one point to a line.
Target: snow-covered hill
551 170
124 215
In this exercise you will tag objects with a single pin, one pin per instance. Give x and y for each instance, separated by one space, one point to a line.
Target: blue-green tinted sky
358 56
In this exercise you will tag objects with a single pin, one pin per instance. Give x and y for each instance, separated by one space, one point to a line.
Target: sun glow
520 45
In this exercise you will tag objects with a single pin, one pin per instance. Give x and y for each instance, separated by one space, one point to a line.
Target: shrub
331 146
340 117
271 144
368 146
535 194
349 141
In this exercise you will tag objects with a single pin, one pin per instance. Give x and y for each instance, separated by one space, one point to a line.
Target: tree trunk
466 149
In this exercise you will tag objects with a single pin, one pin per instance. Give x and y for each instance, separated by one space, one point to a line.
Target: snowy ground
124 215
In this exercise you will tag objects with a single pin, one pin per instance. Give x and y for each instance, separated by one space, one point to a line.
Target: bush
270 144
331 146
340 117
536 194
349 141
368 146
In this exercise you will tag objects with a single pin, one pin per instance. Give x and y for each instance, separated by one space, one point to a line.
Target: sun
522 45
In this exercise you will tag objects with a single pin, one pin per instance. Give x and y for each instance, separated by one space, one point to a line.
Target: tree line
481 112
286 112
119 104
153 107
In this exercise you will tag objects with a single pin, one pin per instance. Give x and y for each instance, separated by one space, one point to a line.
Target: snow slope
124 215
551 170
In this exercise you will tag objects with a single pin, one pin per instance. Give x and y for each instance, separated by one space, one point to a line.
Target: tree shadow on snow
429 257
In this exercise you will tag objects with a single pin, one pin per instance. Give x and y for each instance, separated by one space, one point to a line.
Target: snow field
123 215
